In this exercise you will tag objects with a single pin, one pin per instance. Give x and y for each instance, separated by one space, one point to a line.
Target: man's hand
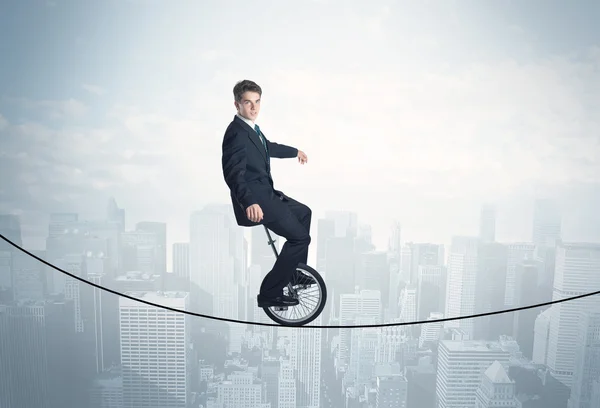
302 158
254 213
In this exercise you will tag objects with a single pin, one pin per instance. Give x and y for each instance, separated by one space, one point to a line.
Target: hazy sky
416 111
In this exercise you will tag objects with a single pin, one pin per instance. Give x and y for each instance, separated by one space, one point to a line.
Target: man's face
249 106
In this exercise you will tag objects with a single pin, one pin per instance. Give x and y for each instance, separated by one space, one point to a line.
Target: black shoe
282 300
303 279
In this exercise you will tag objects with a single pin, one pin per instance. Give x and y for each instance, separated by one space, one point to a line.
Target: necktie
260 136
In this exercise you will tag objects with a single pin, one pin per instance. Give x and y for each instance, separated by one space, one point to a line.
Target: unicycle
311 297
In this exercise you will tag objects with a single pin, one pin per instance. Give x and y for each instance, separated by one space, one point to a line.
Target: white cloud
94 89
55 109
133 174
3 123
484 131
487 130
374 24
213 55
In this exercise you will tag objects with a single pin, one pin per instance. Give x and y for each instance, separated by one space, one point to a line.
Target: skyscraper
154 350
577 273
462 280
460 366
547 221
487 223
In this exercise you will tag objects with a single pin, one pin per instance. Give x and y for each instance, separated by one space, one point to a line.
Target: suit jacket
247 171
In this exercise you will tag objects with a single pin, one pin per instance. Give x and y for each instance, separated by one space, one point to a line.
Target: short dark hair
245 86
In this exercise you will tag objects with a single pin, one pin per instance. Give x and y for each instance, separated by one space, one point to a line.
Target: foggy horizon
453 169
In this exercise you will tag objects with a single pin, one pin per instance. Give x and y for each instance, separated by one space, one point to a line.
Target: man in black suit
247 172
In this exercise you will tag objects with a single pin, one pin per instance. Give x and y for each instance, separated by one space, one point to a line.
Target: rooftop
497 373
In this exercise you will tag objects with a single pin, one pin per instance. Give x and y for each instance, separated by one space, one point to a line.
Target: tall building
154 350
106 390
517 253
364 304
363 353
395 241
462 280
392 391
526 294
390 341
241 390
181 259
460 368
115 214
213 262
286 386
489 291
394 289
6 276
37 340
305 357
270 370
140 250
94 321
69 235
160 231
346 222
431 290
496 390
28 275
431 331
10 227
587 360
541 334
577 273
335 257
547 222
487 223
340 270
422 254
372 273
408 306
325 231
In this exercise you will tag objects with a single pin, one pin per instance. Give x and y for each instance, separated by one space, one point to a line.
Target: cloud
481 131
487 129
492 126
3 123
213 55
94 89
375 23
42 166
54 109
393 109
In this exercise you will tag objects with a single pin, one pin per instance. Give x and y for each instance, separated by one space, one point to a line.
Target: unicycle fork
311 297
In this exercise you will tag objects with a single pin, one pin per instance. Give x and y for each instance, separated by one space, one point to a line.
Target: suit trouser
294 226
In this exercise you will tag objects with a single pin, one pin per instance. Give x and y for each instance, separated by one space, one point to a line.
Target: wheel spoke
311 298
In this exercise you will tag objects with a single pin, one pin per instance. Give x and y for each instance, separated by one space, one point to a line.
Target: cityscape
112 351
449 154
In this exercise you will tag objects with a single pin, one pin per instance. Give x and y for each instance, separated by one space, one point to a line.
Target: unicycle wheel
311 299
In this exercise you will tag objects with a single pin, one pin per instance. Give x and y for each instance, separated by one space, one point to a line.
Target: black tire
323 289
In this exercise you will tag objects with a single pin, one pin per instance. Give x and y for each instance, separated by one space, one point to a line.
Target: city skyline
453 169
546 231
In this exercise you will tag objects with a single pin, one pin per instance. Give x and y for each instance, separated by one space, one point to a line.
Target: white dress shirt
251 124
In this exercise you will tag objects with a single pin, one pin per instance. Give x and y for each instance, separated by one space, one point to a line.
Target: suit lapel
253 137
